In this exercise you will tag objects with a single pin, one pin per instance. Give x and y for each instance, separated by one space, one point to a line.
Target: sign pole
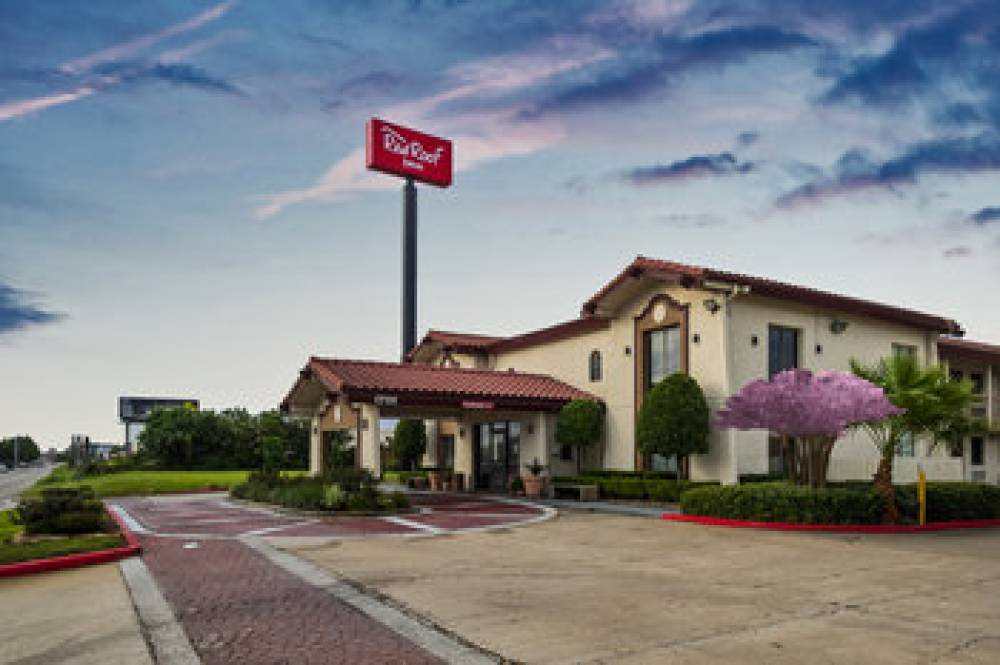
409 313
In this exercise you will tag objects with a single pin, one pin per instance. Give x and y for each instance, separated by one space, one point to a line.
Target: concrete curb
833 528
167 642
131 548
433 639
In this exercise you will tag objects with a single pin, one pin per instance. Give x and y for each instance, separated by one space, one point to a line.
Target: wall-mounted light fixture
712 305
696 338
628 350
838 326
819 349
754 341
531 428
461 432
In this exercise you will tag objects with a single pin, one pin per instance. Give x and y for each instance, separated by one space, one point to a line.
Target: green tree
580 424
933 404
409 442
674 419
27 449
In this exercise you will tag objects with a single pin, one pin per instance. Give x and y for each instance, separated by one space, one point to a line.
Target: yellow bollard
922 495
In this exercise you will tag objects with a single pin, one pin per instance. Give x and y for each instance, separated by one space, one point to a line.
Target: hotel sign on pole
414 156
405 152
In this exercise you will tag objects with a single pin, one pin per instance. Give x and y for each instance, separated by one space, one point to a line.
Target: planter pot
435 480
533 486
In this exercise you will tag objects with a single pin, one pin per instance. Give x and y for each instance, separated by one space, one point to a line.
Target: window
905 446
978 383
977 450
782 349
566 453
904 351
595 365
957 448
663 354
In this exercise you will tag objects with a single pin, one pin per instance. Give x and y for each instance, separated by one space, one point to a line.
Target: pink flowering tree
809 412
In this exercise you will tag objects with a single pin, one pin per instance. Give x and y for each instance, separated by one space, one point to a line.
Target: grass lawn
134 483
11 552
138 483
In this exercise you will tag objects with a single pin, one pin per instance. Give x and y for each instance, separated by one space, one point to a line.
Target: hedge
403 477
632 487
951 501
780 502
845 504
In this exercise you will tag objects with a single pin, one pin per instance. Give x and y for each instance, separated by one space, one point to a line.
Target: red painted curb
834 528
131 548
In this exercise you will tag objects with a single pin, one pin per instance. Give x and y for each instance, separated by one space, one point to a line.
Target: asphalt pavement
16 481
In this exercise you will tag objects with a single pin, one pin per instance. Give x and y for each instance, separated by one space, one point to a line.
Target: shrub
409 442
779 502
951 501
580 424
674 418
319 494
62 510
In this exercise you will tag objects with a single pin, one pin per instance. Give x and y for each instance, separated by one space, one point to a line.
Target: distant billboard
139 409
402 151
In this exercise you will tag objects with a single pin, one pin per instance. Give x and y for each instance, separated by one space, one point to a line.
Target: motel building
491 402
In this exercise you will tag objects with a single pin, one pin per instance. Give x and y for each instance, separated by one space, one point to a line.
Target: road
16 481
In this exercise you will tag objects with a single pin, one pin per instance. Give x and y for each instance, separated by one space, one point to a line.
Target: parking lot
609 589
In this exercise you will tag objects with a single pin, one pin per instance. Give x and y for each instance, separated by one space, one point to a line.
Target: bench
579 492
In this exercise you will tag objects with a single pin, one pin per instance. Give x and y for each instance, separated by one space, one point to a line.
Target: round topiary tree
674 419
409 442
580 424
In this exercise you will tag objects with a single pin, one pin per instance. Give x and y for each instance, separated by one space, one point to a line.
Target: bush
403 477
780 502
632 486
62 510
951 501
409 442
320 494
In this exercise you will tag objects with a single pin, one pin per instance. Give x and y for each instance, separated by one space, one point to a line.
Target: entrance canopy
387 384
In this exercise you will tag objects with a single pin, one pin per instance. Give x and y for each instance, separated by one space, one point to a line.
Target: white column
463 452
430 457
315 447
729 459
371 445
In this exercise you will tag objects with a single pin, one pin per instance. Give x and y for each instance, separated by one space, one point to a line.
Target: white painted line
424 634
164 635
402 521
133 524
281 527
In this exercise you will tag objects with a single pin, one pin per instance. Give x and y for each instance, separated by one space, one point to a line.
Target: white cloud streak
478 137
23 107
132 47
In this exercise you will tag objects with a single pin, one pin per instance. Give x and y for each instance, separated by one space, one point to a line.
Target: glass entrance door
498 455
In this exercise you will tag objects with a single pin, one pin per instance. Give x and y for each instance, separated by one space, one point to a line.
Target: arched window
595 365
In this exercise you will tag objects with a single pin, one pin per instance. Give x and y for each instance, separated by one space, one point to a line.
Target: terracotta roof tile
694 275
368 376
956 346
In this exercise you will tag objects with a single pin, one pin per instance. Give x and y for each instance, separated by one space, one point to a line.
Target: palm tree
934 405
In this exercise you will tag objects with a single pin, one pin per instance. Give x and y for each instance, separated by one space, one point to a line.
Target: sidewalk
611 507
70 617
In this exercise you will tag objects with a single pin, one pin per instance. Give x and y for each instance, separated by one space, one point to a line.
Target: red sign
477 405
409 153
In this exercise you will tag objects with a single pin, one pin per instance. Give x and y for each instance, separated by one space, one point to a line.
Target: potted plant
534 483
435 479
516 486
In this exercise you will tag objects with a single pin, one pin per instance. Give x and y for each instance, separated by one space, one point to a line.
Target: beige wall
865 339
568 360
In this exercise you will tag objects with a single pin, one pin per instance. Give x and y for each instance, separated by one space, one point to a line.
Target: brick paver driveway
236 606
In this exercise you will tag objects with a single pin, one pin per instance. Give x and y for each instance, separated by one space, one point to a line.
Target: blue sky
184 208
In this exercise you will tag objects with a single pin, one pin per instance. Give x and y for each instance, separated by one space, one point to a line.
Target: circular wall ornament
659 312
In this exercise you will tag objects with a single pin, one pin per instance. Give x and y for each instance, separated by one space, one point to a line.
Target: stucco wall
568 360
865 339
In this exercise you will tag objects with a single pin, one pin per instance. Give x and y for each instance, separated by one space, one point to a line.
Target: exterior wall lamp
712 305
838 326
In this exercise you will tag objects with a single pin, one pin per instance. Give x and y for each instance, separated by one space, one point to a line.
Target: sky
184 208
